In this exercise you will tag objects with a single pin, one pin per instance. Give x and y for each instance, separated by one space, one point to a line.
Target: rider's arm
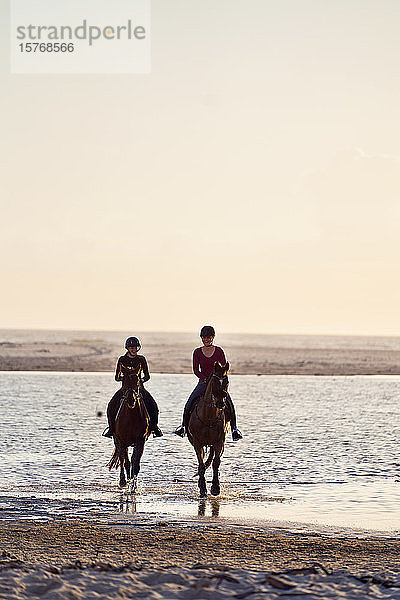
118 371
145 370
196 365
221 355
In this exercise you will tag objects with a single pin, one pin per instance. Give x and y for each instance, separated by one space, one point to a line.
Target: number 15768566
46 47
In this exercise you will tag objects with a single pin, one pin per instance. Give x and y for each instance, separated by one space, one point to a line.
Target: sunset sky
252 180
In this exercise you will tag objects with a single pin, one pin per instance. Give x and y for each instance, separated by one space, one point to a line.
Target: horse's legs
202 470
123 456
215 488
137 455
127 464
135 466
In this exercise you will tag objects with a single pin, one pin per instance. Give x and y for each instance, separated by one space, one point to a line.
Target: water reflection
214 504
127 503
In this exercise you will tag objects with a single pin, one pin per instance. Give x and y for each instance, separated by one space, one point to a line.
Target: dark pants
198 391
149 402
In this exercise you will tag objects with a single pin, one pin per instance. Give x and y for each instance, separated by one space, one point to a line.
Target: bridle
213 401
219 403
132 392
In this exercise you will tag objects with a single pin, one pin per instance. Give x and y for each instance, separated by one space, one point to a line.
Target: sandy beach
77 560
81 559
41 350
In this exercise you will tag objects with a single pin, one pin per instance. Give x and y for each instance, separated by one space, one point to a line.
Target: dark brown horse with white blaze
132 428
207 427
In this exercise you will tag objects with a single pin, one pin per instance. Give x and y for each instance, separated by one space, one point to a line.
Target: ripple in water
320 450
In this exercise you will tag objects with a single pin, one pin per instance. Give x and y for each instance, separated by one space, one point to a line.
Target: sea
318 454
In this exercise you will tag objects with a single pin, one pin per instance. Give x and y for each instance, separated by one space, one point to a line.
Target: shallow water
318 452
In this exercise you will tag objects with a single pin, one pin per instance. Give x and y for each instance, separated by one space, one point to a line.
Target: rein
137 396
212 403
214 423
140 404
120 406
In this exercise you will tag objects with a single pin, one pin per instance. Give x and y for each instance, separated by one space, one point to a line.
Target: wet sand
23 350
62 542
77 559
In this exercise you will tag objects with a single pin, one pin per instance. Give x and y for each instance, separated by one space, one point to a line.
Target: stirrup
236 435
180 431
157 432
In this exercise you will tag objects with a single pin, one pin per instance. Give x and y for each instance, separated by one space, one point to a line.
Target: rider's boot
108 432
236 435
187 411
180 431
157 431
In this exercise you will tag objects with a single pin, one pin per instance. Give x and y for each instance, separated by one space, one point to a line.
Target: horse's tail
210 457
115 460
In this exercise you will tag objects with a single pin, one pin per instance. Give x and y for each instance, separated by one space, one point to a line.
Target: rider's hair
207 331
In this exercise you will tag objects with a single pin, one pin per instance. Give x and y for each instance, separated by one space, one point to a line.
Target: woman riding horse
204 359
132 428
207 427
132 361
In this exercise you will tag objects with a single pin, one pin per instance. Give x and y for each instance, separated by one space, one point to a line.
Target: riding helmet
133 342
207 331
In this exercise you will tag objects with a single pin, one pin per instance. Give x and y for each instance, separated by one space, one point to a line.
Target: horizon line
185 331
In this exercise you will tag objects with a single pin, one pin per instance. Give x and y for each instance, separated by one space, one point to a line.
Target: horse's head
131 386
219 384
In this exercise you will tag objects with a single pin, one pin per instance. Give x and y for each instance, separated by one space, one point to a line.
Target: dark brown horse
132 428
207 427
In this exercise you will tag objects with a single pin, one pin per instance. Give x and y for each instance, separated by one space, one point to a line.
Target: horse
132 428
207 427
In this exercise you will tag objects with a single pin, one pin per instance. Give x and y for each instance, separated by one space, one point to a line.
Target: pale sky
251 181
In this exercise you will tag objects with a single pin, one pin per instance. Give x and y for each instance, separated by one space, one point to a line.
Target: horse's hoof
122 484
203 493
215 490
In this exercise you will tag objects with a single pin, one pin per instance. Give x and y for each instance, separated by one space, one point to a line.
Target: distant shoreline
251 354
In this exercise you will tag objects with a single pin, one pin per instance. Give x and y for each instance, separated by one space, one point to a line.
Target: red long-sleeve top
204 366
